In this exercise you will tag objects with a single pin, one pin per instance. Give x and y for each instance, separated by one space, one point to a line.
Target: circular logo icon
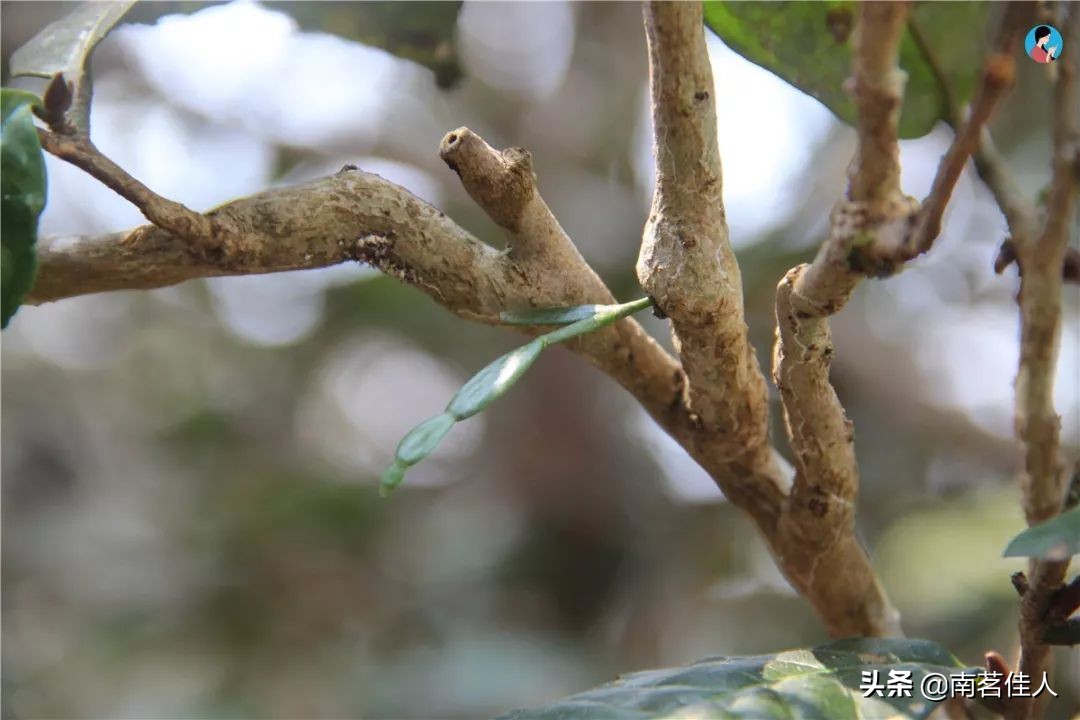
1043 43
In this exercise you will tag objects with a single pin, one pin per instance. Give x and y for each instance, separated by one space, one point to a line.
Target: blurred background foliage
191 526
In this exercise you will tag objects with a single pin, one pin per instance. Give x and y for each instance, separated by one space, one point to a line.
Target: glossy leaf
809 44
552 316
65 45
422 440
392 477
490 383
822 683
1056 539
603 316
22 186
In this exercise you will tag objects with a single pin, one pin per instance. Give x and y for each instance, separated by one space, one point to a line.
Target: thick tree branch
357 216
875 215
820 513
1037 423
878 87
504 186
317 224
686 262
687 265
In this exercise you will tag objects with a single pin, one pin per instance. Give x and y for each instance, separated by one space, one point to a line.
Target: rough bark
687 264
1037 423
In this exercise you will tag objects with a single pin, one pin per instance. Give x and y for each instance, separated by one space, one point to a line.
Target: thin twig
1020 212
948 92
77 149
998 75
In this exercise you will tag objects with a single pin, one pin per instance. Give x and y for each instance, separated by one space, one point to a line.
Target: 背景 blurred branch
1038 426
999 71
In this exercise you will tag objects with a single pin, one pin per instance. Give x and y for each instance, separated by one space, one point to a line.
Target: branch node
501 183
1020 583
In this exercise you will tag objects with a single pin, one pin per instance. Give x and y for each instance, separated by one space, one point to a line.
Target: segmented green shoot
489 384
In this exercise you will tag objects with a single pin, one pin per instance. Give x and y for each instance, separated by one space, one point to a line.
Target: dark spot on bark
827 352
1006 256
214 254
701 95
657 311
803 315
1071 270
818 506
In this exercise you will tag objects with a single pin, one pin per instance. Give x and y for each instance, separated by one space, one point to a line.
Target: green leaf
65 45
825 683
423 32
809 44
422 440
22 195
552 316
492 382
604 315
489 384
1056 539
392 477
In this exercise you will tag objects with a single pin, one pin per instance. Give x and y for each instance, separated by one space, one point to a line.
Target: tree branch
1020 212
687 264
973 138
820 513
1037 423
717 409
317 224
878 87
999 72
